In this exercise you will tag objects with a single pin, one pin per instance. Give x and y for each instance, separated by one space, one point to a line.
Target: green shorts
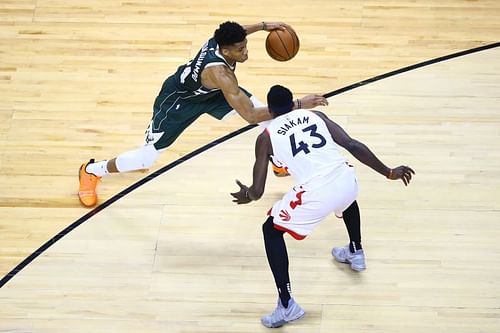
173 113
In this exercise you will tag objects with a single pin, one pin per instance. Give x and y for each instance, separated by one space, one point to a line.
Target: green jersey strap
188 76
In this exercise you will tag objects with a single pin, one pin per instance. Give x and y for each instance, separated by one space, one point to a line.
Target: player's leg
346 187
277 257
91 172
287 309
352 222
159 135
352 253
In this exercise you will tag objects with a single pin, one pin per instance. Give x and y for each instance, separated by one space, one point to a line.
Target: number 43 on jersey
297 147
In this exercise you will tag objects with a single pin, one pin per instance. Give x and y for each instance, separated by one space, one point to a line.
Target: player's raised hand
270 26
241 197
310 101
402 172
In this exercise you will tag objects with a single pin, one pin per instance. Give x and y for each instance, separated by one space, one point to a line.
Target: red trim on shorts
292 233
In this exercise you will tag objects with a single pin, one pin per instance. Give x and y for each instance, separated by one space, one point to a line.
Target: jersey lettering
302 146
197 65
185 74
292 123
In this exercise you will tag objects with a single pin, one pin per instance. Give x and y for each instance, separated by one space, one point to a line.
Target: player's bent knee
266 225
149 156
269 230
142 158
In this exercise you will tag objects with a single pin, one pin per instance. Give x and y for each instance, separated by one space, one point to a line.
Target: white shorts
301 210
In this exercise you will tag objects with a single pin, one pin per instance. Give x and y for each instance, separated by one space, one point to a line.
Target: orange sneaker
279 171
88 184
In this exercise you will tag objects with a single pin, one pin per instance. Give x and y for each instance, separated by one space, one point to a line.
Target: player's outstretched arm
223 78
262 152
361 152
310 101
265 26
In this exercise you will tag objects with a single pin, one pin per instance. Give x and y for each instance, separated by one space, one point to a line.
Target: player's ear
224 51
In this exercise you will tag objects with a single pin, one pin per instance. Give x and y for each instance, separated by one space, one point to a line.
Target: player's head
232 40
279 100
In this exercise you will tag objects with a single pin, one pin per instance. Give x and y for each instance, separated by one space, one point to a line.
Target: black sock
352 222
277 257
284 293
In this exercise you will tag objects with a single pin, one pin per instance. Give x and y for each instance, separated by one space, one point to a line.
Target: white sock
99 168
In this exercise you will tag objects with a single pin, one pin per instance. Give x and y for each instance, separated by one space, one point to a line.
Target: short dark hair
229 33
279 100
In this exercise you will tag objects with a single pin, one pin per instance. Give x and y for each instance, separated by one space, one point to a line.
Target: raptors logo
285 216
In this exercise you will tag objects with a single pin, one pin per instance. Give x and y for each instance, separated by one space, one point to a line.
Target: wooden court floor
77 80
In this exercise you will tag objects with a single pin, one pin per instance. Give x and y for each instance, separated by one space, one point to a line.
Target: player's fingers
407 169
407 178
401 175
320 100
240 184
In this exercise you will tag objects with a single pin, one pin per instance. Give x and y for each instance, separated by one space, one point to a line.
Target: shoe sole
354 268
357 269
282 323
281 174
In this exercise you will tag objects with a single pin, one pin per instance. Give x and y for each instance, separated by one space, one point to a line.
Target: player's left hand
402 172
311 101
241 197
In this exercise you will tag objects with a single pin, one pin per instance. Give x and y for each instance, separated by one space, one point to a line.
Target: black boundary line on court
210 145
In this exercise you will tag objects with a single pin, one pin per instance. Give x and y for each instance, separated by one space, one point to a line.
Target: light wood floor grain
77 80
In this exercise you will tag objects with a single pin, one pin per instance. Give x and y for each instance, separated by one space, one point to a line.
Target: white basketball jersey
303 144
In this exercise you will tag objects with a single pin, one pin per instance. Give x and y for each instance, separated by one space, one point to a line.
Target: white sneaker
282 315
356 259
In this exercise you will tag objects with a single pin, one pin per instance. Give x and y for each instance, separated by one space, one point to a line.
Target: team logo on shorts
150 137
285 216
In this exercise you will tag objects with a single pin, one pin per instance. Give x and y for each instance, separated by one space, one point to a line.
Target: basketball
282 45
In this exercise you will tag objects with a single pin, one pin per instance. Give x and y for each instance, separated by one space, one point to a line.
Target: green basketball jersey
188 76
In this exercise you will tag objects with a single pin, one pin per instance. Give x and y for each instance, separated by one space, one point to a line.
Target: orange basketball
282 45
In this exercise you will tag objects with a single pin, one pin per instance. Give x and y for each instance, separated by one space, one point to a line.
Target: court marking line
212 144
